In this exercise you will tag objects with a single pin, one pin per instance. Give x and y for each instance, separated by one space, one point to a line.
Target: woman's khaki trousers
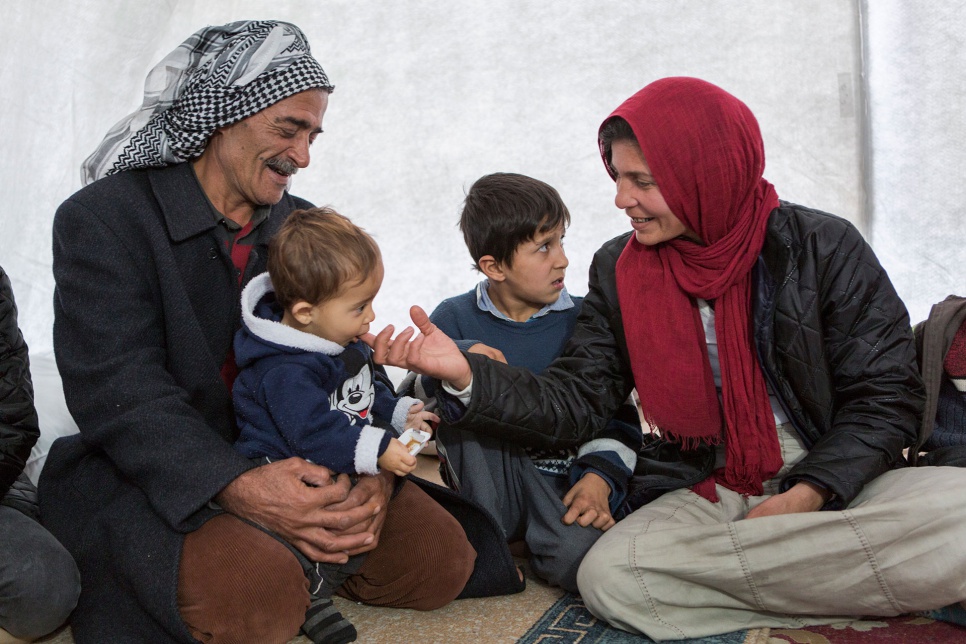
682 567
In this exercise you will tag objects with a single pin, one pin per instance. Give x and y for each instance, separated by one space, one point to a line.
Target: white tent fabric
431 95
917 98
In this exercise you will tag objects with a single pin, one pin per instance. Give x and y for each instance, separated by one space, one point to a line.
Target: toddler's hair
316 254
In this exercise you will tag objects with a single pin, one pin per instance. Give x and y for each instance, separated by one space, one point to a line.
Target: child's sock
324 624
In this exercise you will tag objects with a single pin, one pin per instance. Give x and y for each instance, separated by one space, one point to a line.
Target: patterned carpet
569 621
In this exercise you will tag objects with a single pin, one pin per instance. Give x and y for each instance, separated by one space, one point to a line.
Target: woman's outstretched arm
431 353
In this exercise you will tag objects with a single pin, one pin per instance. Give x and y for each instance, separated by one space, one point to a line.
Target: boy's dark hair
614 129
503 210
316 254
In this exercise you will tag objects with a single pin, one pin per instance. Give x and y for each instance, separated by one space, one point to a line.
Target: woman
771 351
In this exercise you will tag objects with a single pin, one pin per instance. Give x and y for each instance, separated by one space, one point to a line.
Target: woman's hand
432 353
801 497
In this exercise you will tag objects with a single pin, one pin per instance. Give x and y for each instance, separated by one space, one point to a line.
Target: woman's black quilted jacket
832 335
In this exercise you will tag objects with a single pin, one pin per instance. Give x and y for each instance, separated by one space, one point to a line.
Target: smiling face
638 196
248 164
533 280
343 318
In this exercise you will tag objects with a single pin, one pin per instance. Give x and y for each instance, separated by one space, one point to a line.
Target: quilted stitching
845 363
18 419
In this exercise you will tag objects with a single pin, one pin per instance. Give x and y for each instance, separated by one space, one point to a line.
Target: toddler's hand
397 459
422 420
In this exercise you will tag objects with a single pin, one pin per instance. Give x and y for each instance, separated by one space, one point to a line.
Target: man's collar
187 209
183 202
260 214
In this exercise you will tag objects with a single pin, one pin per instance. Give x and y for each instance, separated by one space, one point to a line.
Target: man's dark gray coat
146 304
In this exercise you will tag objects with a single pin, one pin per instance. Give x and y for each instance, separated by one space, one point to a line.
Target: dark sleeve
612 454
572 399
19 429
113 353
870 352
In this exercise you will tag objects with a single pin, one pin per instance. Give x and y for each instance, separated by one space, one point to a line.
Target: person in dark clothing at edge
39 582
178 536
772 354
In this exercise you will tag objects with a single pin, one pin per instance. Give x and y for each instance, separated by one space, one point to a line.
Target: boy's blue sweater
533 344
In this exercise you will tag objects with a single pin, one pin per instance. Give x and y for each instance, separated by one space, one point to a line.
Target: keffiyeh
218 76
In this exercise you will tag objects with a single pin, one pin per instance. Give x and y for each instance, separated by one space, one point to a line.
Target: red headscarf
704 149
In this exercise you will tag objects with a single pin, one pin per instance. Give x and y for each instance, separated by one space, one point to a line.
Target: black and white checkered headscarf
218 76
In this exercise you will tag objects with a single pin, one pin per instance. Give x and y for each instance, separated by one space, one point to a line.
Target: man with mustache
178 537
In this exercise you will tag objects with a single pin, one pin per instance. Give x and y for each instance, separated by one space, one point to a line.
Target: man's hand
801 497
587 503
432 353
303 504
371 492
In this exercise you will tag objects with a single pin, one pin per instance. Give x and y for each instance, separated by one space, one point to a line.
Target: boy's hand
587 503
422 420
486 350
432 353
397 459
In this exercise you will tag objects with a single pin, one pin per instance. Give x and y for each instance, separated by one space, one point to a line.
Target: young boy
307 386
557 501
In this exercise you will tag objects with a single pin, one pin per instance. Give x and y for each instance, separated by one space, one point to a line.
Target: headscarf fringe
689 443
